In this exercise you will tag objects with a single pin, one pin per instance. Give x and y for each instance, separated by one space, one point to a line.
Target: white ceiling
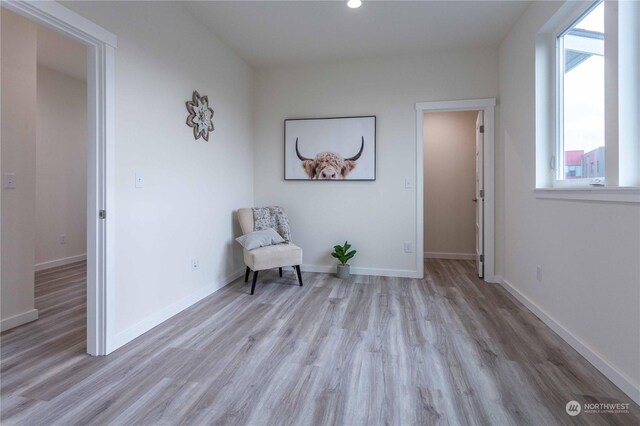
266 33
61 53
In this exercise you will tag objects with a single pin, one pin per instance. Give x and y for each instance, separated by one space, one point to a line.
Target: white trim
59 262
100 165
629 98
455 256
578 183
486 105
376 272
162 315
618 378
108 266
607 194
53 15
611 91
17 320
462 105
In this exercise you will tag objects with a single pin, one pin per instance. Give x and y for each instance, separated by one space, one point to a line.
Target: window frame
622 139
558 66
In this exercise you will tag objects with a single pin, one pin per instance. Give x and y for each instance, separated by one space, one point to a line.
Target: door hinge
482 193
482 129
482 258
553 163
102 214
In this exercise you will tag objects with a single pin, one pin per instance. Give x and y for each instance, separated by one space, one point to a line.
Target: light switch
9 180
139 180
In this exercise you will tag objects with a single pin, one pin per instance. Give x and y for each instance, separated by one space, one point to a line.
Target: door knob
475 200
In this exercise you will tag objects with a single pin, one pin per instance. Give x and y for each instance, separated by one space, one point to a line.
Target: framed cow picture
336 148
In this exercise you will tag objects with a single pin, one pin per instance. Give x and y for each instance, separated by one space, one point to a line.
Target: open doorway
45 151
478 178
452 207
61 151
19 120
61 186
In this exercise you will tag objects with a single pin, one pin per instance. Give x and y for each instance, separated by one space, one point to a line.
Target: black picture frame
307 137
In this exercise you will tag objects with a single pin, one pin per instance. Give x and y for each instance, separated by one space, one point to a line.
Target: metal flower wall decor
200 116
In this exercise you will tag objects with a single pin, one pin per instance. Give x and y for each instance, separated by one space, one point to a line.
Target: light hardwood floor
448 349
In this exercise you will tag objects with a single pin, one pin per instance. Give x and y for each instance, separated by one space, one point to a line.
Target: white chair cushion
273 257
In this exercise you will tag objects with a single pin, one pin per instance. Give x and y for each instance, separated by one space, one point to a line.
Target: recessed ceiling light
354 4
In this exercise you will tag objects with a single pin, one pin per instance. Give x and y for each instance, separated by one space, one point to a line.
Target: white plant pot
344 271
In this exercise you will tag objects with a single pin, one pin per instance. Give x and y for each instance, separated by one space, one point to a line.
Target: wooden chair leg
246 275
255 278
280 270
299 275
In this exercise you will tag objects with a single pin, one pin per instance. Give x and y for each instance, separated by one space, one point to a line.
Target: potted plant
343 254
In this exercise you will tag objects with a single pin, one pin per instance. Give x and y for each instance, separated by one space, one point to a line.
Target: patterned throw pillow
272 217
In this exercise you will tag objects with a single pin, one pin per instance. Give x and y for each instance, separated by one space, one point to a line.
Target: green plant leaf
342 253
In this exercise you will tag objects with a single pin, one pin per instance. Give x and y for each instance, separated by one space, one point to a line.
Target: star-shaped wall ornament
200 116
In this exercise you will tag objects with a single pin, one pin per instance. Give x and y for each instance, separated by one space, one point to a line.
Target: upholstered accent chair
270 257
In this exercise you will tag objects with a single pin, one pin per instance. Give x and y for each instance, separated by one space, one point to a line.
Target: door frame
101 45
486 105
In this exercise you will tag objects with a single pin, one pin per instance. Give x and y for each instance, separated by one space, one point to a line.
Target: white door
479 200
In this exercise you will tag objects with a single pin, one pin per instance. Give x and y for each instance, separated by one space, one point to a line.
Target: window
580 92
587 101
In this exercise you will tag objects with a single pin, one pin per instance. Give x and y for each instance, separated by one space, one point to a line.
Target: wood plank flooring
448 349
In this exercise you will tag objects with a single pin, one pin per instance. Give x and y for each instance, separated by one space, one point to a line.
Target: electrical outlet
63 239
539 273
9 180
195 264
408 247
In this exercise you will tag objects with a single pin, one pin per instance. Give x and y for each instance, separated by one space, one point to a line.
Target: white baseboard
619 379
60 262
493 279
378 272
16 320
126 336
457 256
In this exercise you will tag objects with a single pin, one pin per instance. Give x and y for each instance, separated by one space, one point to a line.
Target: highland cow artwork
335 149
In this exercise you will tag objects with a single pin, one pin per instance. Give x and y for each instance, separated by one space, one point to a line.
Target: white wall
191 188
18 69
61 168
589 251
377 217
449 184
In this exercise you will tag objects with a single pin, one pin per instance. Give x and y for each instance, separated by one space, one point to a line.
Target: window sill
606 194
